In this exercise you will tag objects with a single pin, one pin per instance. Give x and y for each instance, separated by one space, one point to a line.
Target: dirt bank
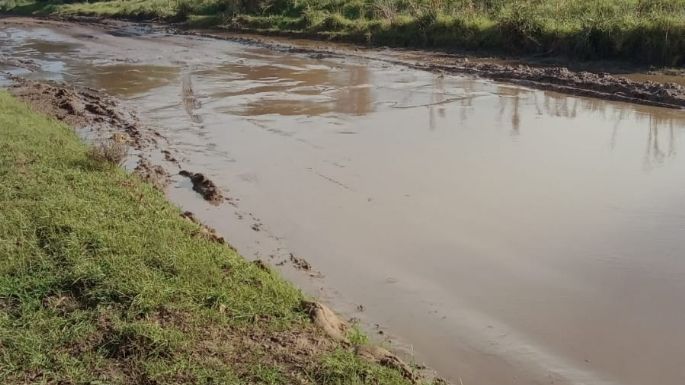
91 109
80 107
555 78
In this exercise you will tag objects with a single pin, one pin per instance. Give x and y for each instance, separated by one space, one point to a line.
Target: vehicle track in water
503 235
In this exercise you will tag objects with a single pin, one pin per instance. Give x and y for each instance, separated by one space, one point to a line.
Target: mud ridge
80 108
329 322
155 175
204 186
300 263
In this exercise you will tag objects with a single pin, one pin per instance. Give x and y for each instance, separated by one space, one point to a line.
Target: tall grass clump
647 31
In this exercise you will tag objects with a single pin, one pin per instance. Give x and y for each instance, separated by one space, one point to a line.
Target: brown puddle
511 236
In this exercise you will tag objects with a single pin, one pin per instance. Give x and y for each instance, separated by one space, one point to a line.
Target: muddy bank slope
138 293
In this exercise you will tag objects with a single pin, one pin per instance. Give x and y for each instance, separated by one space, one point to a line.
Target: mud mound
78 107
582 83
205 187
153 174
326 320
300 263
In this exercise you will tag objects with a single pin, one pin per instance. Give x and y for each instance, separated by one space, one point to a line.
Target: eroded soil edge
87 108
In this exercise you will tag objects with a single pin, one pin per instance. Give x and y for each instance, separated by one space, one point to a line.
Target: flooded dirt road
500 234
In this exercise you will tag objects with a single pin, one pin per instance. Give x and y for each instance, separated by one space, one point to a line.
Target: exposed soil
337 329
300 263
79 107
83 108
204 186
153 174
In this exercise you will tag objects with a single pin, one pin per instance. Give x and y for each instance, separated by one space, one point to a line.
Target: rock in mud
204 186
300 263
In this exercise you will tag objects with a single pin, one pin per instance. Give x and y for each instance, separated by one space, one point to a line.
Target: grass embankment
102 282
644 31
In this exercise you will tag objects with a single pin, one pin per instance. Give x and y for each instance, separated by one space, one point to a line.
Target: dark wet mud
79 107
502 234
204 186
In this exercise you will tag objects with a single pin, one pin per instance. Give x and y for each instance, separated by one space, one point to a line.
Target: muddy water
501 235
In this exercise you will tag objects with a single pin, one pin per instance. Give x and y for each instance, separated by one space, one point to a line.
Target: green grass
643 31
102 282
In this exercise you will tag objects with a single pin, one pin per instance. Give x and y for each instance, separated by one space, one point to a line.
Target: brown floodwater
502 235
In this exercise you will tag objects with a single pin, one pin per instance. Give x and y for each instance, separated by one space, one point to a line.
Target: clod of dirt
153 174
561 79
300 263
383 357
204 186
324 318
168 157
205 231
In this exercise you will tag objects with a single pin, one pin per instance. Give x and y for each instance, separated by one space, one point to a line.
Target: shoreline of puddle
338 93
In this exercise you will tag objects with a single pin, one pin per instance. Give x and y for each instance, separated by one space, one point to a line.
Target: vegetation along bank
640 31
103 281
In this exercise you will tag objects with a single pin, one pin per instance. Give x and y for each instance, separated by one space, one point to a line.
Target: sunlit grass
648 31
